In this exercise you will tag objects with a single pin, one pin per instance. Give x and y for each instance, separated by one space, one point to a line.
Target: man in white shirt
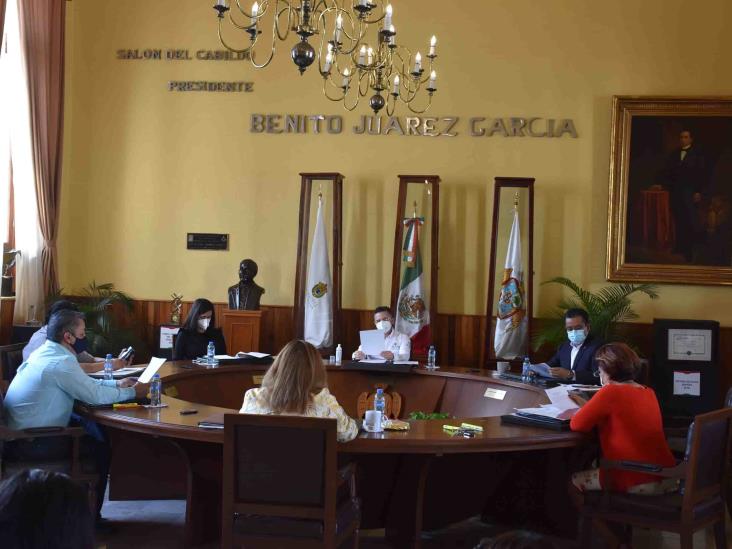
397 346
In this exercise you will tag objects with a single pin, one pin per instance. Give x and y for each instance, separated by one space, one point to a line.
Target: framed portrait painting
670 211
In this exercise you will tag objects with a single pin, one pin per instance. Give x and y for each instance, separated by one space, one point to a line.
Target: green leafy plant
607 308
428 415
104 307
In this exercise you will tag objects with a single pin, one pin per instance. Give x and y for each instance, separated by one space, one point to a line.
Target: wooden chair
698 504
392 403
282 487
11 357
71 466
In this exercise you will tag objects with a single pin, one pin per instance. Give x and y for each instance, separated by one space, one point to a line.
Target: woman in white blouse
296 385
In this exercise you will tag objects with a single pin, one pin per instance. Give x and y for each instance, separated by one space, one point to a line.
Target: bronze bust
245 295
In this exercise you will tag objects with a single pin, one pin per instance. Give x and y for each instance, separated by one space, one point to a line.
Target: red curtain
42 38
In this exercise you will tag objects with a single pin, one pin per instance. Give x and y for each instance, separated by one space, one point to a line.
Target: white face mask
203 323
384 326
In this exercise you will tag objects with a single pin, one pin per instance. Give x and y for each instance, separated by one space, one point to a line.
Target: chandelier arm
269 60
276 25
355 40
235 24
360 84
352 107
421 111
393 104
230 48
325 92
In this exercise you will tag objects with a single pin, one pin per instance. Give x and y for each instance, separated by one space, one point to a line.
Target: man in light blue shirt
43 391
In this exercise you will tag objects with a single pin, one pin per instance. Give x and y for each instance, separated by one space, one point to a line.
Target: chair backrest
11 357
279 465
707 456
728 399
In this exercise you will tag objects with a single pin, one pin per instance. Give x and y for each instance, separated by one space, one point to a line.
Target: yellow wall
143 166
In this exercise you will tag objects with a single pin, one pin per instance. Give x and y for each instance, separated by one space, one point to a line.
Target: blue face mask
576 337
80 345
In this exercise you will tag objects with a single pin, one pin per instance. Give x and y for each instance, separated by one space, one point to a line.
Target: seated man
397 346
43 391
87 362
575 359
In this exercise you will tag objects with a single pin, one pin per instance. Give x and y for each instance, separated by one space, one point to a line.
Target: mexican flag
511 339
318 302
412 315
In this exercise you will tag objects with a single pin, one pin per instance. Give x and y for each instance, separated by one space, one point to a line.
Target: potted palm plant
607 309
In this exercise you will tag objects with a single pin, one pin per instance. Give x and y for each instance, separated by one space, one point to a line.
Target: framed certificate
687 345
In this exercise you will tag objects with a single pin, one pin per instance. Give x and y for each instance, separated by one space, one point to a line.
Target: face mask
383 325
80 345
203 323
576 337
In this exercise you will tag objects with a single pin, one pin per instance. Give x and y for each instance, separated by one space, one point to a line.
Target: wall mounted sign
207 241
424 126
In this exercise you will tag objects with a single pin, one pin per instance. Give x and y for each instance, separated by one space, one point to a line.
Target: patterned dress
322 405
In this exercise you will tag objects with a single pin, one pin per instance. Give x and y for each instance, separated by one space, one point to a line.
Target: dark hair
574 312
518 539
618 361
40 509
383 309
61 322
199 307
60 305
687 129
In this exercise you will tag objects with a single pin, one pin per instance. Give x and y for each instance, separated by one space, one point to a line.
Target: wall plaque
207 241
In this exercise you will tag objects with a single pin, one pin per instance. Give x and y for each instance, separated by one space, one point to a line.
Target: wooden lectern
241 330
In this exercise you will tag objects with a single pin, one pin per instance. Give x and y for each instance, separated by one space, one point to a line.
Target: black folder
532 420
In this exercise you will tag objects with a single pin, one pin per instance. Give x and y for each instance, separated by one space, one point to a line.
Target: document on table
373 361
152 368
541 369
559 397
118 374
548 411
241 354
372 342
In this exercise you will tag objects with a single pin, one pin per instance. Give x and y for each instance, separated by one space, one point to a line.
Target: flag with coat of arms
412 314
318 301
511 340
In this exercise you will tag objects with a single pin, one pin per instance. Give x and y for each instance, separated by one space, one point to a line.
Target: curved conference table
408 481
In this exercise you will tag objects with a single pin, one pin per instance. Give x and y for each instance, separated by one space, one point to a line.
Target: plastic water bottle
108 367
339 355
155 387
432 358
380 403
211 354
526 370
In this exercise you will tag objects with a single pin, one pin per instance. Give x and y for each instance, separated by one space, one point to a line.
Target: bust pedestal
241 330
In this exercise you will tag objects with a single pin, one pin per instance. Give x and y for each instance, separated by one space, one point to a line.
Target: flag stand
431 183
301 265
489 357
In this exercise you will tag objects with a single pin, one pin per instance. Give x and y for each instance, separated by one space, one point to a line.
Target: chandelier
351 63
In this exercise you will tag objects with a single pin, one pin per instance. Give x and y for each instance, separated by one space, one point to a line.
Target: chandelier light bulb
370 55
387 17
433 44
362 55
433 81
328 62
417 63
395 89
221 3
255 11
346 73
338 29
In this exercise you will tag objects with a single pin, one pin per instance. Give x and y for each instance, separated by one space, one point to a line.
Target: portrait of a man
680 191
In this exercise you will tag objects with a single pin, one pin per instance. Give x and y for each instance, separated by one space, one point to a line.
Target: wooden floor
159 525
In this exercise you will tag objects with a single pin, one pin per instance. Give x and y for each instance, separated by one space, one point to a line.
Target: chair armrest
677 471
41 432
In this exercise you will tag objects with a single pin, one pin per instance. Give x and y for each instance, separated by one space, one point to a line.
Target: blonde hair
295 376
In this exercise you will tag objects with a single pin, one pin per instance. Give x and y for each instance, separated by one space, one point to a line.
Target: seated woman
198 329
628 420
296 385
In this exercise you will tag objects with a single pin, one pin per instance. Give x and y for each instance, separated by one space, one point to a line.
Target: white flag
510 340
318 301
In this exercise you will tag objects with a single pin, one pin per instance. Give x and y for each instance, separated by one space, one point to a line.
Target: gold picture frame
670 207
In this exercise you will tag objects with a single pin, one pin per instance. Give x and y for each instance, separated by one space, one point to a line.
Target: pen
125 405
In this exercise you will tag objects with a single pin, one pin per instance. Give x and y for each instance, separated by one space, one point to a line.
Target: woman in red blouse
628 421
